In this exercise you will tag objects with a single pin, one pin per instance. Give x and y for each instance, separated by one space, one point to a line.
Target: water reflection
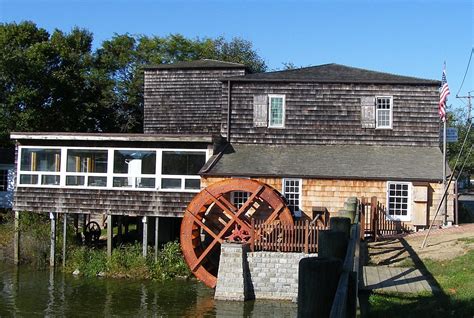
26 292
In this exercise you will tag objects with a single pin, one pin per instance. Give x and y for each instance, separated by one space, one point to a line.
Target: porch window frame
158 176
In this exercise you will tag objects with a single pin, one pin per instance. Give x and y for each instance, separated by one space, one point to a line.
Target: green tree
55 82
458 120
46 81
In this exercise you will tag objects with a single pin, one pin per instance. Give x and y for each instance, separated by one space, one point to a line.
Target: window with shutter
384 110
276 111
260 107
367 114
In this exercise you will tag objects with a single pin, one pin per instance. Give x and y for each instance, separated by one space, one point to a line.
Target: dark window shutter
260 110
367 112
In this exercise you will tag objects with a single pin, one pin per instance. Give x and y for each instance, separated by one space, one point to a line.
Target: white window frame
283 97
377 126
39 174
298 212
110 174
404 218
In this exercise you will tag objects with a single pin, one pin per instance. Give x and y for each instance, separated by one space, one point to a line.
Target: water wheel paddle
215 215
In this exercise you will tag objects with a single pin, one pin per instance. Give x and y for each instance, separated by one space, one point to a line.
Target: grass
455 299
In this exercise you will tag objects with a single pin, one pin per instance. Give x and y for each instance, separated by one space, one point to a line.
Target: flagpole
445 206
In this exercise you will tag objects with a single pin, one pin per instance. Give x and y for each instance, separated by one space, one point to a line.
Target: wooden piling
52 251
64 238
332 244
109 235
317 283
157 226
145 236
16 239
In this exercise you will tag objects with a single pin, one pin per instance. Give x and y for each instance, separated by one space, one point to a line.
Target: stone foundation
257 275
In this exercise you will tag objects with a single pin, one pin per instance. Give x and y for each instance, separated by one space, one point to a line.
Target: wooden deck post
252 235
306 232
109 235
64 238
157 227
119 228
16 239
126 225
373 216
52 251
145 236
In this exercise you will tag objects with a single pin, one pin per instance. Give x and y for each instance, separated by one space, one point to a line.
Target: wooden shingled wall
331 114
117 202
332 194
184 100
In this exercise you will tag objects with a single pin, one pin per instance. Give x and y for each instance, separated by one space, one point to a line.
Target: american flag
443 96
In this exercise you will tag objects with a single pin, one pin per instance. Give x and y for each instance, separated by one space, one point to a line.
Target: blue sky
402 37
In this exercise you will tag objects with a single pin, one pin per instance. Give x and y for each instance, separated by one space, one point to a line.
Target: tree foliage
57 82
458 120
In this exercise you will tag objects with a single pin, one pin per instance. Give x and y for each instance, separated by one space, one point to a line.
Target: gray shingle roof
198 64
334 73
335 162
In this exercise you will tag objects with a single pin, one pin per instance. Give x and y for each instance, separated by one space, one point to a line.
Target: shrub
170 263
89 262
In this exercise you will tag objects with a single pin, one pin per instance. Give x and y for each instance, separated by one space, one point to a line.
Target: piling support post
109 235
145 236
52 251
157 225
16 239
64 238
119 229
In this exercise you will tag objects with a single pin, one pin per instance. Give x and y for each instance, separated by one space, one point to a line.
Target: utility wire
467 69
464 163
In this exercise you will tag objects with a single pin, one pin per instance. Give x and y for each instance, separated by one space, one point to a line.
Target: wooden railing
345 299
375 221
300 237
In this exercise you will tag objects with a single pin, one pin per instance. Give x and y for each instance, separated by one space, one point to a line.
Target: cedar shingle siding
184 100
117 202
331 114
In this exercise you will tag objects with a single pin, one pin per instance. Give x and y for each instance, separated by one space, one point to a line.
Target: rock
76 272
101 274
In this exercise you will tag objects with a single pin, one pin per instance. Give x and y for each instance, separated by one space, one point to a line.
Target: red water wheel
221 211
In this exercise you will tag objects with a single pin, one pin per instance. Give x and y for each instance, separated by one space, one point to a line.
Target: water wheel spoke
275 213
249 202
205 228
233 217
203 255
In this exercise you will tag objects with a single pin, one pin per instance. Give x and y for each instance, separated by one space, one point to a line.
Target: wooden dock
394 279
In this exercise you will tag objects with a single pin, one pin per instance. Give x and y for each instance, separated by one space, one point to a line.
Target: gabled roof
197 64
333 73
353 162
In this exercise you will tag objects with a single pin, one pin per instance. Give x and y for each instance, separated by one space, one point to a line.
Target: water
25 292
